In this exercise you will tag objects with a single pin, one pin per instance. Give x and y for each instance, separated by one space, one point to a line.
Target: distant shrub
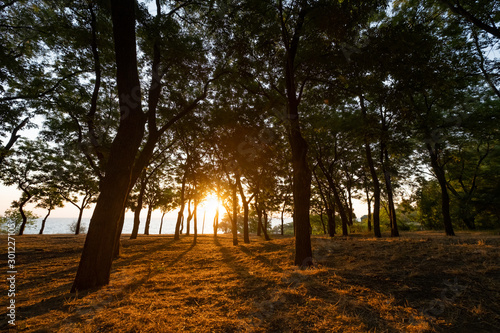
72 227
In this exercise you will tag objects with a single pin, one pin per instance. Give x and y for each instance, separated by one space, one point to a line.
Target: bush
72 227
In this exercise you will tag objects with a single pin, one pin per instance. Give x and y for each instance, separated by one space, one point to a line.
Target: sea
58 225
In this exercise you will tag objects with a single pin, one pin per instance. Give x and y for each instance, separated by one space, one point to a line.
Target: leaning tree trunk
21 211
79 221
148 220
445 198
44 220
95 264
161 222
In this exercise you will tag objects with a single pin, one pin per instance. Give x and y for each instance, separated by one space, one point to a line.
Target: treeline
292 108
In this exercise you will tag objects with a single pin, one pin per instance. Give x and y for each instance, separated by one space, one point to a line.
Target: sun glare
210 204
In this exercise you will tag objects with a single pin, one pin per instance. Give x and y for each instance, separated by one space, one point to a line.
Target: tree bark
161 222
246 237
180 215
21 211
445 198
373 172
234 221
138 208
79 221
95 264
189 218
148 220
195 221
44 220
216 222
384 160
118 235
301 172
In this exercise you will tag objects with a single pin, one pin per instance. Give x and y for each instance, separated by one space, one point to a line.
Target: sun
210 204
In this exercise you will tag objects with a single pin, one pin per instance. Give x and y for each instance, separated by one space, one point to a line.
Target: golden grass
420 282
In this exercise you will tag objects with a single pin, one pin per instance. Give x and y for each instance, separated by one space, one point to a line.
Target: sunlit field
421 282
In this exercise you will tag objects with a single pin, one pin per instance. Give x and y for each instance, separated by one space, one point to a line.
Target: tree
13 216
126 160
48 198
24 170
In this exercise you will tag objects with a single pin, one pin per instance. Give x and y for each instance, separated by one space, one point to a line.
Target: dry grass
421 282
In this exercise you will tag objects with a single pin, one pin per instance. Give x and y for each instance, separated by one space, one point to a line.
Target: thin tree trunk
95 264
137 211
79 221
21 211
161 221
216 222
445 198
195 222
373 172
246 237
44 220
336 196
203 225
282 219
148 220
384 160
118 235
190 216
322 222
181 210
235 216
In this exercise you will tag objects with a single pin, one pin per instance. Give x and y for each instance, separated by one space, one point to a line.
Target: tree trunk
322 222
373 172
118 235
203 224
95 264
148 220
282 219
79 221
445 198
137 211
384 156
369 203
161 222
259 218
21 211
336 196
195 222
330 213
301 173
44 220
181 210
216 222
189 218
246 237
234 226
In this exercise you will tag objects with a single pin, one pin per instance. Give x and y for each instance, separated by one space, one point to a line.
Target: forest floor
420 282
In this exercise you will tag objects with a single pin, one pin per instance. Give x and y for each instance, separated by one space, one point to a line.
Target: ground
420 282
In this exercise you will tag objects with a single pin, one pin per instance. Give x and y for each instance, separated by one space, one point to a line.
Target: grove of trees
277 108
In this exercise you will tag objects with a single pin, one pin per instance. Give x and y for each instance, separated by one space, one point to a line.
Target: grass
420 282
